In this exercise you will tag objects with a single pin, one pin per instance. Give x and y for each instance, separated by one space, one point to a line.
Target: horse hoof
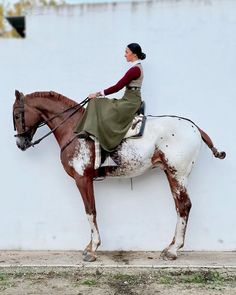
89 257
167 255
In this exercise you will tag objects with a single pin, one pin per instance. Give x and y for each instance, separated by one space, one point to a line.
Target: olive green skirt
109 119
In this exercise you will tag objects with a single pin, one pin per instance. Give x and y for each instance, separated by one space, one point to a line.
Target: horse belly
135 156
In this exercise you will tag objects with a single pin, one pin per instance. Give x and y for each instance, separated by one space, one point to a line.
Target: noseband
21 113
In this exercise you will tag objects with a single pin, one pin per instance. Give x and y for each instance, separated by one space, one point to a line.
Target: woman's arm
132 74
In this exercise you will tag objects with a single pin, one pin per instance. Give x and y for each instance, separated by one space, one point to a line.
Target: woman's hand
94 95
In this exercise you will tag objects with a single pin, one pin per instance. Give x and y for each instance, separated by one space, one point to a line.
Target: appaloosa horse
170 142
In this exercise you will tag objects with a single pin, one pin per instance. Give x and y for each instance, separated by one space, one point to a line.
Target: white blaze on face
81 158
95 233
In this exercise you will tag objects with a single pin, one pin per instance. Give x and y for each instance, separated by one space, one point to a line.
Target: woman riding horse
109 119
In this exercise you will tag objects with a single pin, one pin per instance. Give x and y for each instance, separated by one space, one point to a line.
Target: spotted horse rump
169 142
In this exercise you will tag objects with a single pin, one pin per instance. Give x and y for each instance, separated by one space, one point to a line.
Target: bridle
21 113
25 132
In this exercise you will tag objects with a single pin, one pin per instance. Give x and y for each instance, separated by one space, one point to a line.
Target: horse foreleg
183 206
85 185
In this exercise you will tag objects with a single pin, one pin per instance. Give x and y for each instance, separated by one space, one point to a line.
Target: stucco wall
190 71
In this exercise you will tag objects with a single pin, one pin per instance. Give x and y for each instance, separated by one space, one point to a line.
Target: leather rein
21 113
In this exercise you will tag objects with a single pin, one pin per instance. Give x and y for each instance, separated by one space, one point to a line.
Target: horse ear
17 94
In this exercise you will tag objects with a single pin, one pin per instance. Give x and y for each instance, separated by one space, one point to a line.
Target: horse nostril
23 143
21 147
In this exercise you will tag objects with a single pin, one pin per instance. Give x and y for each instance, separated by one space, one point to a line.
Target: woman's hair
136 49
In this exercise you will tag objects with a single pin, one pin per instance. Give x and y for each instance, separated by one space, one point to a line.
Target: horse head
26 120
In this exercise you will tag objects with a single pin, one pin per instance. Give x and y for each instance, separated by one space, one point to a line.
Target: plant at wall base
19 9
1 20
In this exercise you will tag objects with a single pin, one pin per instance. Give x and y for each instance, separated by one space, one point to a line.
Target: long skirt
109 119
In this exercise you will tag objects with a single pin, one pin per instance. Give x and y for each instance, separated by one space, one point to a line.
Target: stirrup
109 162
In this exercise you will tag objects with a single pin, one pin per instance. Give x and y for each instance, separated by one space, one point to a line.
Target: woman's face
129 55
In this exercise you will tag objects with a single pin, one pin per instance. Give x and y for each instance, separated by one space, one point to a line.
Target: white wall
190 71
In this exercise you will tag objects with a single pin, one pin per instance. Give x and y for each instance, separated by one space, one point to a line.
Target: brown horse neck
50 104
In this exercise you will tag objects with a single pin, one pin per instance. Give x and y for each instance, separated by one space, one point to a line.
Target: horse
169 142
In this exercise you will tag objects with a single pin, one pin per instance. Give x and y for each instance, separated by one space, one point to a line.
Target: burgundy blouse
132 74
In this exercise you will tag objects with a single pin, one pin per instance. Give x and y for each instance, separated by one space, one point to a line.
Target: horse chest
81 159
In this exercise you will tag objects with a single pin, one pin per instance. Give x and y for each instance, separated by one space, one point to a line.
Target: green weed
89 282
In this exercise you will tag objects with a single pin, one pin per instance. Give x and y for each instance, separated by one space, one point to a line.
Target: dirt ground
115 281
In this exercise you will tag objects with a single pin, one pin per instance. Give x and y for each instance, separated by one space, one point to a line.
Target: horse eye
17 117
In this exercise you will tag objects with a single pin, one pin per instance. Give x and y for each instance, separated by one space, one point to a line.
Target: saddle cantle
141 110
137 127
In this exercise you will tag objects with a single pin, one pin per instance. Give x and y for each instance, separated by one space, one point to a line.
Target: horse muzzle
23 143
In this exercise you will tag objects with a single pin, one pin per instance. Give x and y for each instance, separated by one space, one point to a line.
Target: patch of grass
89 282
190 277
207 277
165 280
87 279
2 277
4 282
197 278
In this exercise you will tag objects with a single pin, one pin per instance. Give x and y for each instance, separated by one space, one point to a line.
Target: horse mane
54 95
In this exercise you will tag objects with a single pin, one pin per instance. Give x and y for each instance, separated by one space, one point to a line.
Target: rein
76 107
62 122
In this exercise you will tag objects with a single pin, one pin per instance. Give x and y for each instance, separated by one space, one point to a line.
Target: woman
109 119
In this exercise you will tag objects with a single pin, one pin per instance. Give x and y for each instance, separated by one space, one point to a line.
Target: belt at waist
133 88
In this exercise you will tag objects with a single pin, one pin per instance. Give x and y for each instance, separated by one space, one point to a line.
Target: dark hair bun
142 56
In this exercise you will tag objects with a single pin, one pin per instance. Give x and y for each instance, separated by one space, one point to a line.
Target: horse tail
209 143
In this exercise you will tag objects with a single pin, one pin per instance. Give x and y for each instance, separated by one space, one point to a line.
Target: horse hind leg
183 206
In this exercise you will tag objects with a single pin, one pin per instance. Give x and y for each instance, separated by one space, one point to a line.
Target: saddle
109 159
